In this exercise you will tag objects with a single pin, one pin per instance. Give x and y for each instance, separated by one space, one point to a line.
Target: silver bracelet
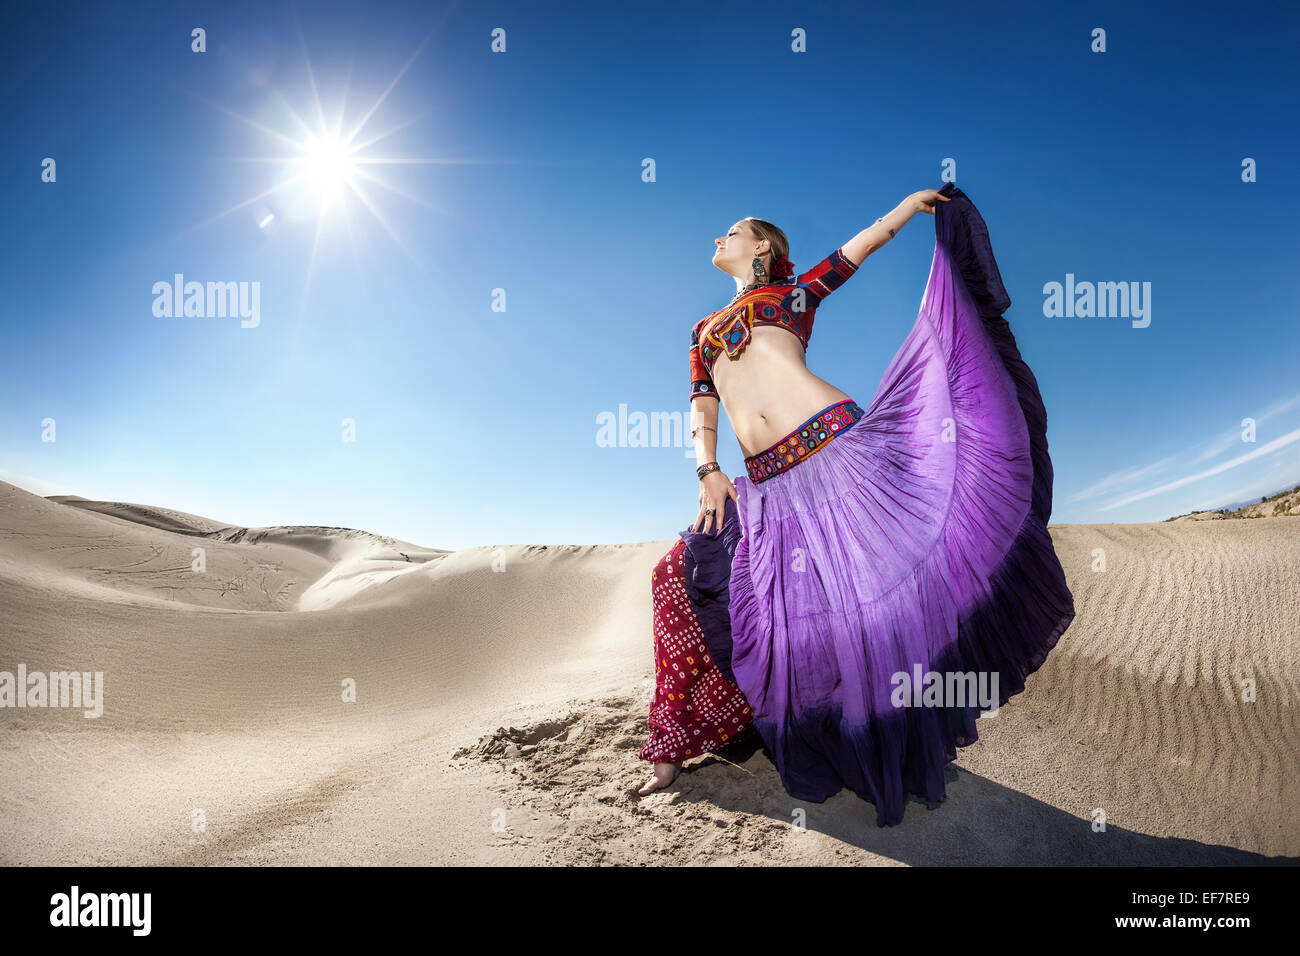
698 427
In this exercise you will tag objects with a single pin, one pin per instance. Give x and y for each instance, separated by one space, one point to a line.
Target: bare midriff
767 389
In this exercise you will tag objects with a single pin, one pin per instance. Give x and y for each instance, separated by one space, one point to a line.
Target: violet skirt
903 538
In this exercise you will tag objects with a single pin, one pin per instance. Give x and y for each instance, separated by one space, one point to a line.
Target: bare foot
665 774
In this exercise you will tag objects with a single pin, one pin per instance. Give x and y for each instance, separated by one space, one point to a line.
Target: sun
327 166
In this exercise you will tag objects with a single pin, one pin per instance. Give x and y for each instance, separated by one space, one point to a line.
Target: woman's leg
695 709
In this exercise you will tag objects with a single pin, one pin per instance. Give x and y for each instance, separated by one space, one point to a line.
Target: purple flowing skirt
915 541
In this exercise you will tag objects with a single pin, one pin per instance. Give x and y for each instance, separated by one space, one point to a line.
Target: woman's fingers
712 523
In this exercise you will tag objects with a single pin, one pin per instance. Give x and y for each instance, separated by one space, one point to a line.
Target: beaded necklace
749 288
755 285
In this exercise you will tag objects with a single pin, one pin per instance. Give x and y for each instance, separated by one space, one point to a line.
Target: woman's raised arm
886 227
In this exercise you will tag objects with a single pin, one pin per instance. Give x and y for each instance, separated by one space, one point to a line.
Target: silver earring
760 270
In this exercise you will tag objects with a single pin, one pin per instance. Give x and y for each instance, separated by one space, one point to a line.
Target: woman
874 566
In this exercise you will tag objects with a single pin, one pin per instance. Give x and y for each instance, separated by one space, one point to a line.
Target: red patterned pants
696 709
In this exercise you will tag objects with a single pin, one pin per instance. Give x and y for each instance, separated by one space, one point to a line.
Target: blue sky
475 426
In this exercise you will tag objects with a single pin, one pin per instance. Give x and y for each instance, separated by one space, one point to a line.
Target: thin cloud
1249 492
1272 446
1217 446
1119 478
1233 436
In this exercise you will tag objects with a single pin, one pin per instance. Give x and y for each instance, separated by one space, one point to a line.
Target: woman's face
736 249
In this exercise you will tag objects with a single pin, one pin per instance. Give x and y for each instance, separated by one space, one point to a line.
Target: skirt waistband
795 447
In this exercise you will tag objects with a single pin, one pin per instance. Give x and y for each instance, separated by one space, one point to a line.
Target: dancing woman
865 551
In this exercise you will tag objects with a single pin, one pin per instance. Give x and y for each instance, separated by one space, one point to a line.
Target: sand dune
145 552
501 696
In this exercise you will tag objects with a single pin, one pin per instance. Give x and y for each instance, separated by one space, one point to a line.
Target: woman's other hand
715 489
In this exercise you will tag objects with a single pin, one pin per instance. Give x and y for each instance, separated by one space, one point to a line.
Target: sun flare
327 166
327 169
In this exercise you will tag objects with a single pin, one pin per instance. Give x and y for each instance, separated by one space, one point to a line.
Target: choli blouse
791 305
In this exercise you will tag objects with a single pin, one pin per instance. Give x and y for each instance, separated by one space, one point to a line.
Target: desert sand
501 693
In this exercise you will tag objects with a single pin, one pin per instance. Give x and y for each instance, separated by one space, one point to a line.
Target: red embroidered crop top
791 305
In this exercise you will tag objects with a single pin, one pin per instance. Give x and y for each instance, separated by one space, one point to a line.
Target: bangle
699 427
707 467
